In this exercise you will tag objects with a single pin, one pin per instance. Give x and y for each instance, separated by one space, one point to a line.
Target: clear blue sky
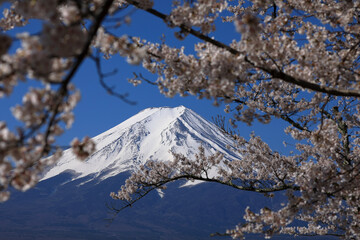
98 111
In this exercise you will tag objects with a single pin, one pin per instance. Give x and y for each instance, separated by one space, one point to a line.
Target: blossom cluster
201 14
84 148
127 47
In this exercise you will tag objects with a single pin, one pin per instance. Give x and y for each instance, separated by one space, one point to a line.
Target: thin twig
109 89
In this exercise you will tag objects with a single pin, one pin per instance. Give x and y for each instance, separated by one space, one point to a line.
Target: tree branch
109 89
147 188
274 73
63 89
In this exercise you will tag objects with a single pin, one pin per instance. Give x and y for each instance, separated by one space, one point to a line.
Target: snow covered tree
293 60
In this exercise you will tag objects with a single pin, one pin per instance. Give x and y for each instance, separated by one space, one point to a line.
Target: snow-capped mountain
149 135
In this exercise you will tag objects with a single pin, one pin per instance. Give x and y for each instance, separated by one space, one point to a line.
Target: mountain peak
166 108
151 134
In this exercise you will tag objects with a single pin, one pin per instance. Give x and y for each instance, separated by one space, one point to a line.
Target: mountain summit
149 135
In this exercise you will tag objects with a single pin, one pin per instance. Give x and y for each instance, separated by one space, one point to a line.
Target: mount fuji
149 135
71 201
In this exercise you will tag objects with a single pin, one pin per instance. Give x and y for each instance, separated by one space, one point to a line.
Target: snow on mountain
149 135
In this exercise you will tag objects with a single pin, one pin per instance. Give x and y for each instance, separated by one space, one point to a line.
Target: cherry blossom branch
308 85
79 59
91 34
184 28
276 74
155 175
284 117
147 188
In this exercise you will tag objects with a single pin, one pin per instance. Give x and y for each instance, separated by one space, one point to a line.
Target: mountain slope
149 135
